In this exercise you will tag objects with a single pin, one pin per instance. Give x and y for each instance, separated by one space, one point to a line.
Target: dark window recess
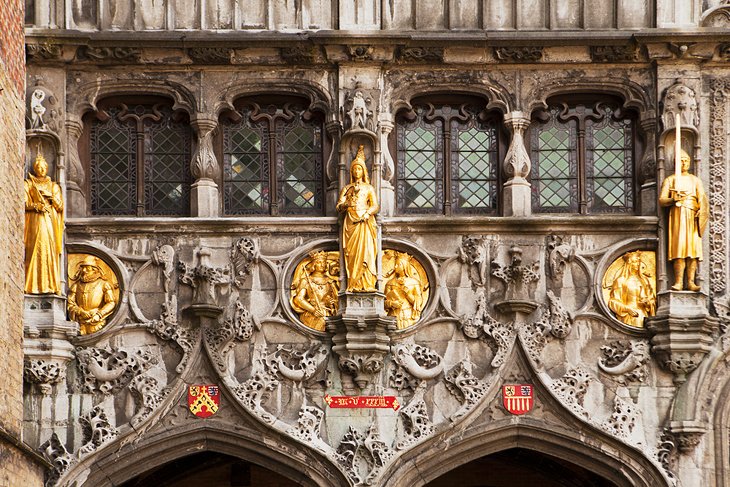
448 156
140 161
583 159
272 161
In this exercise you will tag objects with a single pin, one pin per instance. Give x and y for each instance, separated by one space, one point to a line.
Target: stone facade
515 295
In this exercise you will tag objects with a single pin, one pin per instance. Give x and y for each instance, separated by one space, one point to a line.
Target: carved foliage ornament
719 101
108 54
211 55
421 54
45 373
518 54
614 54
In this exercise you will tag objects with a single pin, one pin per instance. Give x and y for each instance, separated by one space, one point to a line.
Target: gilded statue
406 288
92 297
630 287
359 204
314 288
688 215
43 234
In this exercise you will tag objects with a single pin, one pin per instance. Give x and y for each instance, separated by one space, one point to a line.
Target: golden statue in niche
688 215
359 230
629 287
314 288
43 234
406 287
94 292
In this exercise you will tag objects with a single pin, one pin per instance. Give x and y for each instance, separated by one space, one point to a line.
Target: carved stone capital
682 332
44 373
687 434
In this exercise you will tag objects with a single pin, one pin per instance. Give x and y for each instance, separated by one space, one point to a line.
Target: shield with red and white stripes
517 398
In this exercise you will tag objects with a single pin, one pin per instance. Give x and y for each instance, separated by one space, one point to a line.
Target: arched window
448 158
583 158
140 154
272 158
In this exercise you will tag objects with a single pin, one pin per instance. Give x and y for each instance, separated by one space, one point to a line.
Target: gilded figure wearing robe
405 291
43 234
359 204
688 214
632 295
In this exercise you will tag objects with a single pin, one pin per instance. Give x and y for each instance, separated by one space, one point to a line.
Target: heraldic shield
517 398
204 400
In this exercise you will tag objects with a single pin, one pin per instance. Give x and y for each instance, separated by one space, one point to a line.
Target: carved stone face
685 163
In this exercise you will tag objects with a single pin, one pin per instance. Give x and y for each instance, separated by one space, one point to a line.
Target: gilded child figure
359 204
43 234
688 215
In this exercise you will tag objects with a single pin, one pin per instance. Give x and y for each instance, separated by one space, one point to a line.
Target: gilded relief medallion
93 294
629 287
406 287
315 284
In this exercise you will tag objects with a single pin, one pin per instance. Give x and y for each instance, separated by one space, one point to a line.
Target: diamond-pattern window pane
609 161
473 166
248 197
167 167
113 168
420 194
245 169
420 165
555 193
299 167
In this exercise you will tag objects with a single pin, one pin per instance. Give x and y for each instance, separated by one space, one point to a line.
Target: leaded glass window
583 159
272 159
447 160
140 161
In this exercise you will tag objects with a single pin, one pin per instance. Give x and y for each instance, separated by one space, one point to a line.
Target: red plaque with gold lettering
362 402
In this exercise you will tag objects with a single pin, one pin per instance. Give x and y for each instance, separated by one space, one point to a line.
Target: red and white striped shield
517 398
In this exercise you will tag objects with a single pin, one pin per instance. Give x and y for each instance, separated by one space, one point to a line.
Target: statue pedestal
682 331
361 335
44 315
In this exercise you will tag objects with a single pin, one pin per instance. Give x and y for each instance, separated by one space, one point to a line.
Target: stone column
387 191
516 191
76 205
648 168
334 166
204 167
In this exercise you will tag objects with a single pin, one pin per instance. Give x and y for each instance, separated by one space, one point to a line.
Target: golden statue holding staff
43 235
91 299
359 231
314 288
630 282
406 288
688 215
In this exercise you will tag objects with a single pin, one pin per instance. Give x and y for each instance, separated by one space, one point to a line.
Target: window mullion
447 167
581 160
273 178
140 156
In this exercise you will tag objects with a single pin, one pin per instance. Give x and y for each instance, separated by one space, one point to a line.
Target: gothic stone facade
205 247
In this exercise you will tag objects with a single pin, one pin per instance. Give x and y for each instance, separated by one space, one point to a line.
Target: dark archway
520 467
210 468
